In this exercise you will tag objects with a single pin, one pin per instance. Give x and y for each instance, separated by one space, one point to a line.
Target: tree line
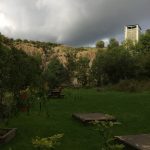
123 62
110 66
17 71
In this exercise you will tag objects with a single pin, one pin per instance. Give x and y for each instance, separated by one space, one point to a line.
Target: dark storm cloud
75 22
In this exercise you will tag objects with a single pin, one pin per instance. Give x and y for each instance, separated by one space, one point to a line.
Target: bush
132 85
112 66
46 143
100 44
55 74
107 140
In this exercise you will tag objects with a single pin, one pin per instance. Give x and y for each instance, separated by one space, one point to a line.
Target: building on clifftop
132 32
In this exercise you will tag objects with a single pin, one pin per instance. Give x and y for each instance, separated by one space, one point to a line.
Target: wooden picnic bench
56 93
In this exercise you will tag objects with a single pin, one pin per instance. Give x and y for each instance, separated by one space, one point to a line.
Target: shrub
126 85
100 44
46 143
132 85
107 139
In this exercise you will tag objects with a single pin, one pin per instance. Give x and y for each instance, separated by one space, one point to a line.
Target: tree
5 40
119 65
24 71
4 70
113 43
83 70
143 66
18 40
100 44
17 72
148 31
114 65
97 74
55 74
71 64
128 44
144 43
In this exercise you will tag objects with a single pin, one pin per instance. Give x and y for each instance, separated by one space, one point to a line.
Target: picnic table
56 93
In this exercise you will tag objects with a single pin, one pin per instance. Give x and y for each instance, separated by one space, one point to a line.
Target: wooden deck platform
89 117
136 142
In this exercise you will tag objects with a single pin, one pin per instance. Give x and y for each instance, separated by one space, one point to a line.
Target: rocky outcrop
29 48
59 51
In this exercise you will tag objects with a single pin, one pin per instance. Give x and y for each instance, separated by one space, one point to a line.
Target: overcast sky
72 22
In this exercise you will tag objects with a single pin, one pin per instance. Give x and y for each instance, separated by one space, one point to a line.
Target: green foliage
24 70
148 31
18 40
71 65
128 45
113 43
4 69
17 72
113 65
143 66
100 44
143 45
107 141
97 70
55 74
128 86
129 61
5 40
119 64
83 70
132 85
46 143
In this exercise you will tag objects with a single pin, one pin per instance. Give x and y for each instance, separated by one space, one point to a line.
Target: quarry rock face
57 51
29 48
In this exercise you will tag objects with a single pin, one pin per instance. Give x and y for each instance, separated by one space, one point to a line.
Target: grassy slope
132 110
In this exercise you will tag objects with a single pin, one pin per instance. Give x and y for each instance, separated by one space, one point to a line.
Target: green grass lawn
131 109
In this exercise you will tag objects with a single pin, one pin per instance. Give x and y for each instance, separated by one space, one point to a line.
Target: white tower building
132 32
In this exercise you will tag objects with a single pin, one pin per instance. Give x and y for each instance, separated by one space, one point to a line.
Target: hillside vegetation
90 67
47 50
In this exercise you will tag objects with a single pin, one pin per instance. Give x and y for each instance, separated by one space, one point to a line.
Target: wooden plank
8 135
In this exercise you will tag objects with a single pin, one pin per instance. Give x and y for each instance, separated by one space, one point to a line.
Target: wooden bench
56 93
